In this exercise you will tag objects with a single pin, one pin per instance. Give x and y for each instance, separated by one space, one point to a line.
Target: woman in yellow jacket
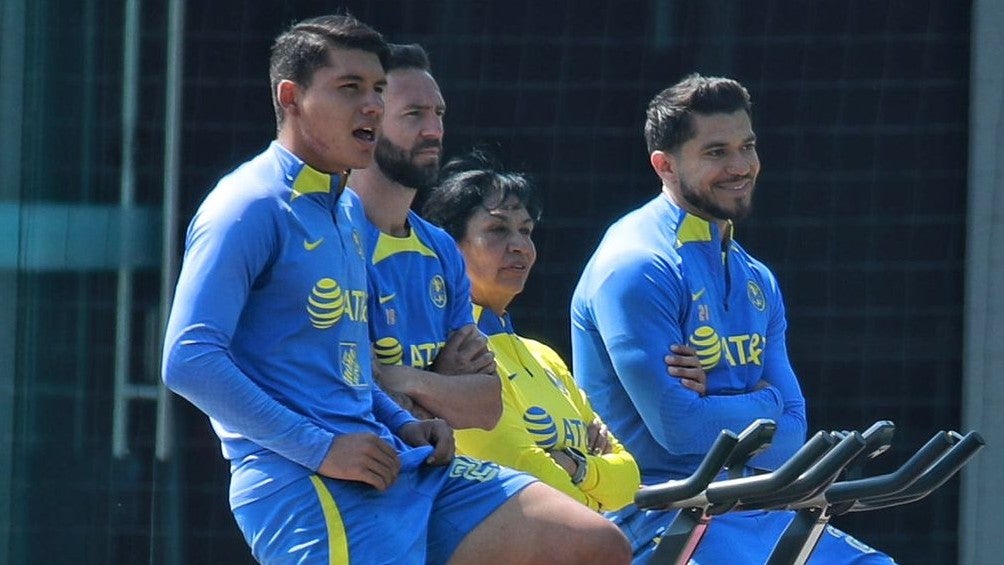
547 428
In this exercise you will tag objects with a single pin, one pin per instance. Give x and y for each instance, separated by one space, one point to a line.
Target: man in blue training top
268 336
432 358
671 273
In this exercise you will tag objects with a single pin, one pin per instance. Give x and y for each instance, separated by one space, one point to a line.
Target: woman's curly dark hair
475 180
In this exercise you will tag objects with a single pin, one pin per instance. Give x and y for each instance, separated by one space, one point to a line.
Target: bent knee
584 535
606 544
543 525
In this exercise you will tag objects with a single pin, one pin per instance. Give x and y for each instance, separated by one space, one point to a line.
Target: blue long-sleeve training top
419 292
661 276
268 330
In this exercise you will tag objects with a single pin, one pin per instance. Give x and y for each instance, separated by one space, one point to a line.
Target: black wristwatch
580 463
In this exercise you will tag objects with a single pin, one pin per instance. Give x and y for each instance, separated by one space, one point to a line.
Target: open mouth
365 134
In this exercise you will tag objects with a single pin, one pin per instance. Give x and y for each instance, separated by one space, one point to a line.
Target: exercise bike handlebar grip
935 476
879 437
754 440
662 496
896 481
731 490
816 478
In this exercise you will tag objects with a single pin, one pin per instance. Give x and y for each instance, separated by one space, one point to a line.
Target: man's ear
287 93
665 166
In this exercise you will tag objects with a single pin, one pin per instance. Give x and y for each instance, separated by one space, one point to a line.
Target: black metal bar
754 440
800 538
816 478
925 471
879 436
679 541
662 496
729 491
896 481
935 476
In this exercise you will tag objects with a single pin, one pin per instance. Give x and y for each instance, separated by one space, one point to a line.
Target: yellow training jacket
542 411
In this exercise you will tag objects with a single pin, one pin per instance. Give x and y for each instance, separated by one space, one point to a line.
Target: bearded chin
397 165
711 209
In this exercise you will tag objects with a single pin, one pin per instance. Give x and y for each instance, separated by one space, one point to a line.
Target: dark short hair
305 47
407 56
669 119
474 181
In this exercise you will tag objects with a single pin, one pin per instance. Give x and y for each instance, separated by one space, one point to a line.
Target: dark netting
860 109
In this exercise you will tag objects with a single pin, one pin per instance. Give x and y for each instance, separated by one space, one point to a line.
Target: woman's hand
599 438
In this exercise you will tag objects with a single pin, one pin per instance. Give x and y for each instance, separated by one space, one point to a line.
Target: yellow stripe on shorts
338 544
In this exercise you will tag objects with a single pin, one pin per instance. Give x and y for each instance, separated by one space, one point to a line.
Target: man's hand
684 364
465 353
434 432
405 401
362 457
393 382
464 400
599 438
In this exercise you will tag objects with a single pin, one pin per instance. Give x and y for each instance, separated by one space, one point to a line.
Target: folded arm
777 371
461 387
639 316
464 401
612 475
510 444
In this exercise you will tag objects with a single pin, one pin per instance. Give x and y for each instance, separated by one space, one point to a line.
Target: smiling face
411 139
332 123
713 174
499 251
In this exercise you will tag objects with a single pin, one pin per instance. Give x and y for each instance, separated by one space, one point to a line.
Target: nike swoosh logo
388 298
695 296
513 376
312 245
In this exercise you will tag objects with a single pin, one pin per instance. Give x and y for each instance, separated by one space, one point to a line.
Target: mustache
428 144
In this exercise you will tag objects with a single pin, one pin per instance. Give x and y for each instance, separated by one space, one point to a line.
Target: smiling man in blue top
671 274
268 336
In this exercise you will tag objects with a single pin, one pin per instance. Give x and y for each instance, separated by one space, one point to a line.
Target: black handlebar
754 440
728 449
896 481
805 482
816 478
879 436
729 491
806 479
935 476
662 496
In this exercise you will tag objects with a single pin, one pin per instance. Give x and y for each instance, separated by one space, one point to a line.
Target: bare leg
542 525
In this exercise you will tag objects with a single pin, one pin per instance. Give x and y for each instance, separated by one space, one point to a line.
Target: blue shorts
421 518
742 537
